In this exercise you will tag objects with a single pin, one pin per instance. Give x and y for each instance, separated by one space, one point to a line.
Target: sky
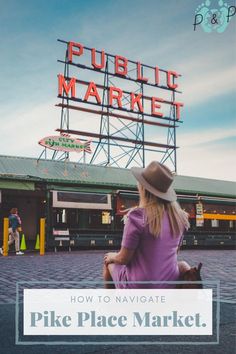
155 32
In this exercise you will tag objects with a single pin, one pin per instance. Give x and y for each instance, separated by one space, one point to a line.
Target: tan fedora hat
157 179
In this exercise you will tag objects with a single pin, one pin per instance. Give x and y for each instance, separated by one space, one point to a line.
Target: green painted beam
18 185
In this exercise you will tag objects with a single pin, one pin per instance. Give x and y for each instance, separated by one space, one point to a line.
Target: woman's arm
130 240
124 256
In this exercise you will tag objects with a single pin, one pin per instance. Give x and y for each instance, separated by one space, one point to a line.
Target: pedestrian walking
14 228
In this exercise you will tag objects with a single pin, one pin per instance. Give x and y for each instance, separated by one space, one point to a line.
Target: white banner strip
117 312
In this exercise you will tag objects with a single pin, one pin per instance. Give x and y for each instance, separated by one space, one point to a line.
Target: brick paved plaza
87 265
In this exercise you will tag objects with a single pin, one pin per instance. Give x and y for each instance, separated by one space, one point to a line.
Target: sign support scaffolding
127 135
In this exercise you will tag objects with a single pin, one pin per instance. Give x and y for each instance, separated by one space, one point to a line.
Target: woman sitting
152 234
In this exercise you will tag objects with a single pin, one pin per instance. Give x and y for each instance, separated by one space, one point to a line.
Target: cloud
202 161
191 139
204 85
24 128
209 154
29 88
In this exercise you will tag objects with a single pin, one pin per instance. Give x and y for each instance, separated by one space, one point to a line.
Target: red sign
68 86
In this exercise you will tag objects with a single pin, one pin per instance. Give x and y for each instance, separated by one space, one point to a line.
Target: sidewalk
87 265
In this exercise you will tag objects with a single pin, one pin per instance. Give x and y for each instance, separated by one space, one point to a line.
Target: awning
18 185
128 194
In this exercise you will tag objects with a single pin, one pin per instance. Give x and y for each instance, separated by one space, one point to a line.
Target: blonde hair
155 208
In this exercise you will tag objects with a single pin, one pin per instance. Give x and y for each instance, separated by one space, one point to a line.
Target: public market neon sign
67 86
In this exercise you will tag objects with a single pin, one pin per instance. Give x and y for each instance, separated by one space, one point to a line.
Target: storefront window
106 217
81 200
215 223
82 219
64 218
99 220
126 202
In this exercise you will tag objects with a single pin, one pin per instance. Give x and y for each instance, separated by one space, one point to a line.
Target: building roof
50 171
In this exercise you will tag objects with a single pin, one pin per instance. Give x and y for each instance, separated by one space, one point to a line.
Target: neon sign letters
67 86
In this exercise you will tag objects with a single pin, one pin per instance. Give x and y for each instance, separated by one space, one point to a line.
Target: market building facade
84 205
